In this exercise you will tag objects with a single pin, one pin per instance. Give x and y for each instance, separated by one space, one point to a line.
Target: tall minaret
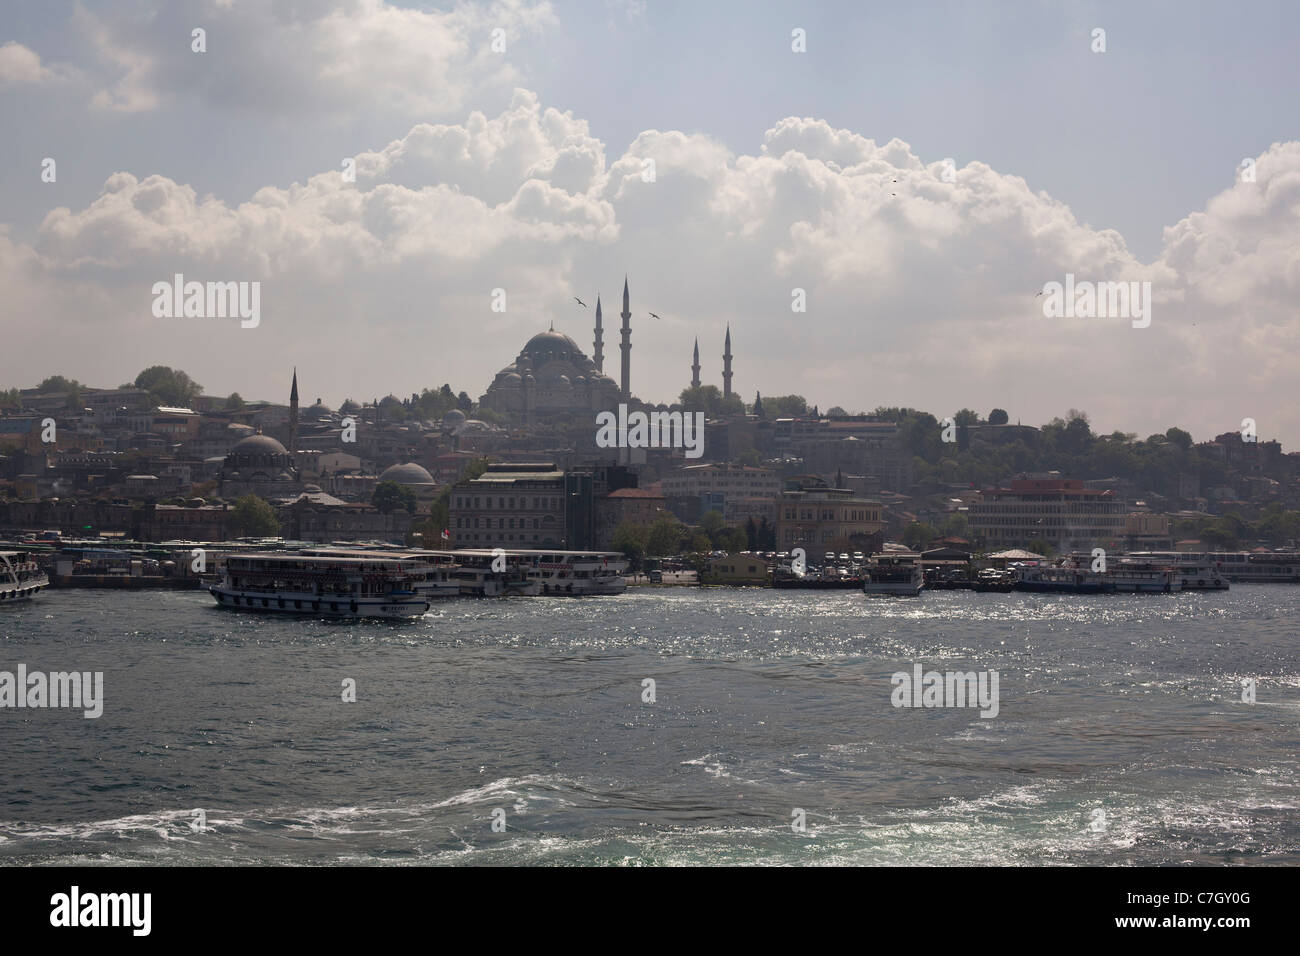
726 366
599 353
293 416
627 344
695 366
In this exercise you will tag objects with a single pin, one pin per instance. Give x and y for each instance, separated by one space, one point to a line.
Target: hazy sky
774 170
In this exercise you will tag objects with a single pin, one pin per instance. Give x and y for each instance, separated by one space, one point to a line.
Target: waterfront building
818 518
516 505
692 490
1060 512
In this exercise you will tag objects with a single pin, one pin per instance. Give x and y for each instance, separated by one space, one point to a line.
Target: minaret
695 366
599 354
726 366
627 344
293 416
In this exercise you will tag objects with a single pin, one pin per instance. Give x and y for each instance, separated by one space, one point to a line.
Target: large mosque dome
408 474
551 376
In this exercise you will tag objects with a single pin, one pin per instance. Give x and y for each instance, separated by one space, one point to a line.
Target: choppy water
767 702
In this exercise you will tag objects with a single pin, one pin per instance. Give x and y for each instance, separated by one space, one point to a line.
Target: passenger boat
350 585
20 576
441 580
1060 580
1130 576
893 573
1200 576
568 573
1200 570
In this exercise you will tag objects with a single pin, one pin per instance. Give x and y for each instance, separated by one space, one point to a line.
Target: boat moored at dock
20 576
332 585
894 573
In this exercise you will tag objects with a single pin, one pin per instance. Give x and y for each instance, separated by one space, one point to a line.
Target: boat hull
318 606
892 589
25 591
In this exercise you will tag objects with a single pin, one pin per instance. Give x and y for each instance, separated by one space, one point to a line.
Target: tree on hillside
918 534
389 496
253 517
998 417
168 386
966 417
664 537
630 538
1179 437
57 383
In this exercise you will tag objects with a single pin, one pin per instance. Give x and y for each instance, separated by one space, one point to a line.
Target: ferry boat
1131 576
20 576
1240 567
576 573
1060 580
894 573
442 578
338 585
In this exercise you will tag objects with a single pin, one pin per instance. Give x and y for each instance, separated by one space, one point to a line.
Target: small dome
455 417
407 474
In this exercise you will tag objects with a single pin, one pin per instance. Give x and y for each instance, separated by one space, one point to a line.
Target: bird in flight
652 315
579 301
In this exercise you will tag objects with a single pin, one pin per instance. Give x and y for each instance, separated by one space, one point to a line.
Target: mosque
553 377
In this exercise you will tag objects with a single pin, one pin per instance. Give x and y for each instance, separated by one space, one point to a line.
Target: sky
525 169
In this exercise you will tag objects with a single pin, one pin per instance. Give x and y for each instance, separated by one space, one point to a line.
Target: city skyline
490 171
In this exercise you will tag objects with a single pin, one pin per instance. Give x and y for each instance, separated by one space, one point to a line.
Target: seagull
652 315
579 301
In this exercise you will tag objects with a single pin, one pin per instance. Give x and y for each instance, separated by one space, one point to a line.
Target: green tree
252 516
57 383
918 534
389 496
168 386
998 417
785 406
1180 438
732 540
235 402
966 417
630 538
664 537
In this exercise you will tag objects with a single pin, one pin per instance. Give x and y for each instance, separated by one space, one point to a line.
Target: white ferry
894 573
566 573
1130 576
442 578
1256 567
340 585
20 576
